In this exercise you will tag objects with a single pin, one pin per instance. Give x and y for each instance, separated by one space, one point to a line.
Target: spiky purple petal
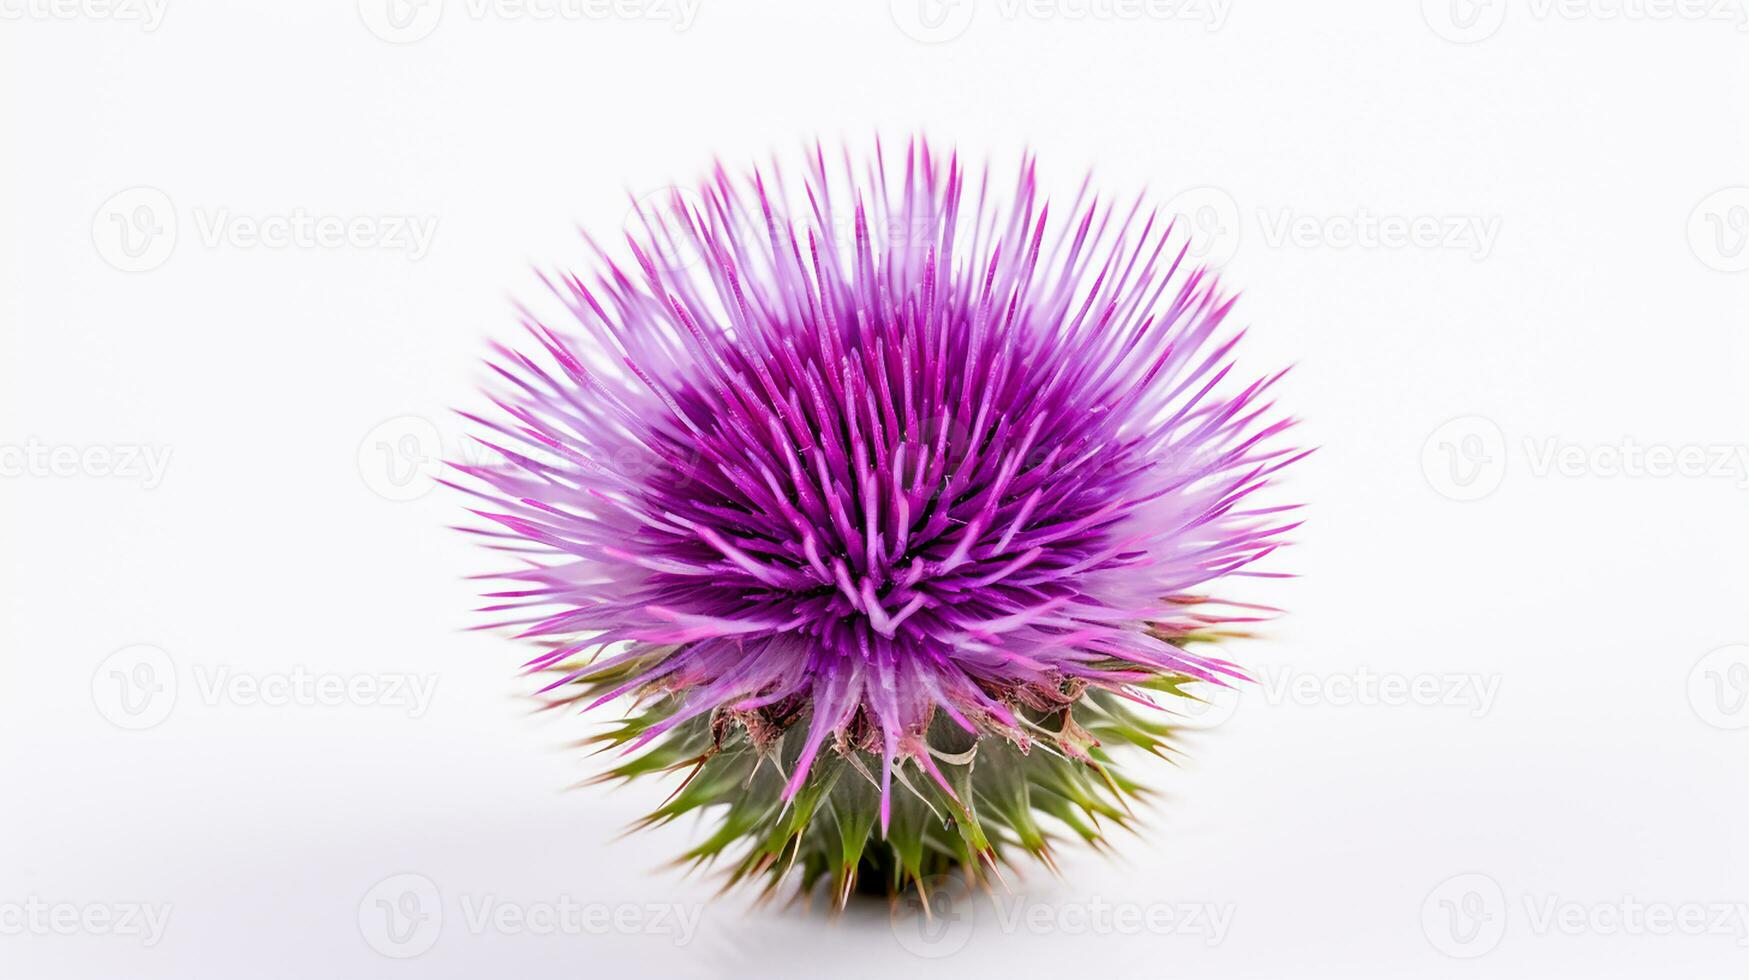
888 448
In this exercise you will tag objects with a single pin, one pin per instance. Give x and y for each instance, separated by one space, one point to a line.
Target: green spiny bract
1059 780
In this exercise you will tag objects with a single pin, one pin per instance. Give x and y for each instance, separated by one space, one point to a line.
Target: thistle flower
888 507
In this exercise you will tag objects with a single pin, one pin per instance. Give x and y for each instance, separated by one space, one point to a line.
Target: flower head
880 473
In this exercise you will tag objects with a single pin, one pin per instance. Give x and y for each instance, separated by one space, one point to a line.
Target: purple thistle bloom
887 453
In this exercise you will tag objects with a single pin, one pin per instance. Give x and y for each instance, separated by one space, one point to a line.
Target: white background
1326 824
